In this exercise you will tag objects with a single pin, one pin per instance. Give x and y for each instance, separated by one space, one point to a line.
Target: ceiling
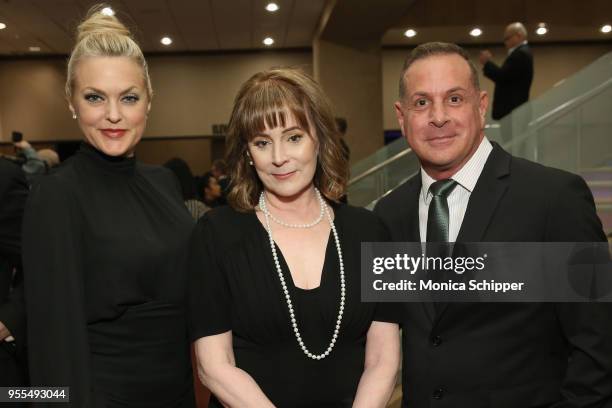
193 25
451 20
215 25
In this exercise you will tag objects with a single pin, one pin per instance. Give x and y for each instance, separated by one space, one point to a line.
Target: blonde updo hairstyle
101 35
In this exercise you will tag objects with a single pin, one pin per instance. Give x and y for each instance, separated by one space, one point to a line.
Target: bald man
513 79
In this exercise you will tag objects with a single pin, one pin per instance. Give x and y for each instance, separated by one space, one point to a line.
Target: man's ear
399 114
483 105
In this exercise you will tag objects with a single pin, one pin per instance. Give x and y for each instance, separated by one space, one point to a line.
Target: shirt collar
467 176
515 47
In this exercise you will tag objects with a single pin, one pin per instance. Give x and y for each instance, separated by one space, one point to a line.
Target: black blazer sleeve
587 326
13 194
58 345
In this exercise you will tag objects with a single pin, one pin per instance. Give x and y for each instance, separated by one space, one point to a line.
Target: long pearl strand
298 336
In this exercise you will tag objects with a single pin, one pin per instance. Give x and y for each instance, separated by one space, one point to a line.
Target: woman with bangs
275 276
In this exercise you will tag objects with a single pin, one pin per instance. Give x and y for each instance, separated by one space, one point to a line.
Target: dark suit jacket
513 355
13 194
512 81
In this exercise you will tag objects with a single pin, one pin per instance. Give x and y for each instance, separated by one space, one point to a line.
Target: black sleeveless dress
104 242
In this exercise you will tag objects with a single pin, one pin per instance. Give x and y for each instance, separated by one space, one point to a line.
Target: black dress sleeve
13 194
52 252
209 294
385 311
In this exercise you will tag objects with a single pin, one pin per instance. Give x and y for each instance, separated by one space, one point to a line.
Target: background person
513 79
219 171
211 191
181 170
36 162
275 276
103 243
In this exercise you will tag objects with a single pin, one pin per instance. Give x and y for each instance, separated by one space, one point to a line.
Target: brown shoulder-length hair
267 98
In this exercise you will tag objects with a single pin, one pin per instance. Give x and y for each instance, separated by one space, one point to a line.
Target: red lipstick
113 133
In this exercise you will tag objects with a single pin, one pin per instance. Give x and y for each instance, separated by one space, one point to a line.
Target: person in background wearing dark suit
476 355
184 176
513 79
13 194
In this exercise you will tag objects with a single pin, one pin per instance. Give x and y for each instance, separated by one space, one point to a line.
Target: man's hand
484 57
22 145
4 332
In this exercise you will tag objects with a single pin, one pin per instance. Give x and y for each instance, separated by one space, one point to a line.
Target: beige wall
31 100
552 63
191 93
352 78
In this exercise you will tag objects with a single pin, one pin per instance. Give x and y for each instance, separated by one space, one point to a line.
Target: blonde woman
103 237
275 277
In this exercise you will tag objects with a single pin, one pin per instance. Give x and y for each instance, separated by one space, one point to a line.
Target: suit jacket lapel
490 188
484 199
412 219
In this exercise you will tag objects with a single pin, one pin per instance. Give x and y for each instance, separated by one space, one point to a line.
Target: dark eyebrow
292 128
419 94
260 134
455 89
264 134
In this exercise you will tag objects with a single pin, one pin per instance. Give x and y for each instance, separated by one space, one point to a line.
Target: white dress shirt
458 199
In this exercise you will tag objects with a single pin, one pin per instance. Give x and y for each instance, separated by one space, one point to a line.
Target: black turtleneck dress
103 246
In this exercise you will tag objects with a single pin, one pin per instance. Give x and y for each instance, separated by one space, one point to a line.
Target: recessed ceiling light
606 28
410 33
268 41
541 30
166 40
475 32
107 11
2 26
34 49
272 7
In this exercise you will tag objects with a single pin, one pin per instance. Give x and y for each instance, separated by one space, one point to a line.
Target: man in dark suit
514 355
513 79
13 193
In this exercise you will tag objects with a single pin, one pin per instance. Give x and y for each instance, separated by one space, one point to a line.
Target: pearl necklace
264 208
298 336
